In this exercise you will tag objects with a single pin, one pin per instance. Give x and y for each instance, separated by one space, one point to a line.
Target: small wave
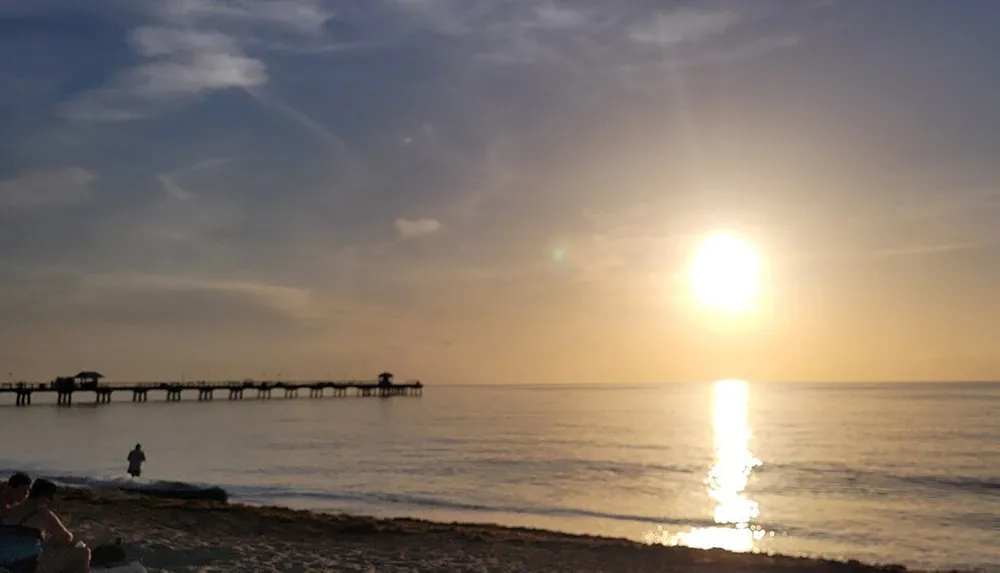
965 483
540 511
90 482
324 501
280 494
382 498
128 483
882 481
582 466
161 488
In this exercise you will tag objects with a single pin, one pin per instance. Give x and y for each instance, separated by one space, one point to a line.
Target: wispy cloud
511 33
479 17
57 188
168 181
302 16
195 47
492 174
942 206
704 34
184 215
407 229
887 253
293 302
752 49
296 115
931 249
180 62
170 187
552 16
684 25
190 62
443 16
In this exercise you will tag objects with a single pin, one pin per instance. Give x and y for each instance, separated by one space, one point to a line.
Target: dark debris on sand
515 548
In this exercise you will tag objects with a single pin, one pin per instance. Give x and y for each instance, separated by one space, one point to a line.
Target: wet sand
194 536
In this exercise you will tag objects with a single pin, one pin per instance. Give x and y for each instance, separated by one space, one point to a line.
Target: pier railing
206 390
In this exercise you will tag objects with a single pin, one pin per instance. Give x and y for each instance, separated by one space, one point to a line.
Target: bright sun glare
725 273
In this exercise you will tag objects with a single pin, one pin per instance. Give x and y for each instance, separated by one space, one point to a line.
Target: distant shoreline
184 536
117 383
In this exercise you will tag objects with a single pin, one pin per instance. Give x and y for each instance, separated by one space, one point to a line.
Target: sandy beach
194 536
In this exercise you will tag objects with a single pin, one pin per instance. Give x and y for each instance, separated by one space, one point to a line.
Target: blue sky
473 190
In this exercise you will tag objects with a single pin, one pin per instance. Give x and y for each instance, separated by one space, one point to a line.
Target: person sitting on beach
14 492
32 534
135 460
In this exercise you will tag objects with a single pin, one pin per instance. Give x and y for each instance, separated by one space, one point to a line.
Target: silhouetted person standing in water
135 459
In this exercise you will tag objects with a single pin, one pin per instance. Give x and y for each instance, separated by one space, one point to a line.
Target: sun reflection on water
734 513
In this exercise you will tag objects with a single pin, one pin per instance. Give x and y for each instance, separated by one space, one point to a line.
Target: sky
485 191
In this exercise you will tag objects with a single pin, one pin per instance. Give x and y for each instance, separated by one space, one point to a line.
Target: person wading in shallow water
135 459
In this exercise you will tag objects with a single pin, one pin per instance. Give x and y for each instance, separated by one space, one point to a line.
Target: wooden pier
66 388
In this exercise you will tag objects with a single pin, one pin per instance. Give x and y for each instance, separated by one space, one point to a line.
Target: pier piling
23 398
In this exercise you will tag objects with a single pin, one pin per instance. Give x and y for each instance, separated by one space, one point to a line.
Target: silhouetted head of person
138 446
42 491
17 488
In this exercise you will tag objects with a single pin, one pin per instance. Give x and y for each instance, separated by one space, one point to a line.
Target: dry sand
180 537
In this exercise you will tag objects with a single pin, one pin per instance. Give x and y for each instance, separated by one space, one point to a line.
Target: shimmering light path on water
727 480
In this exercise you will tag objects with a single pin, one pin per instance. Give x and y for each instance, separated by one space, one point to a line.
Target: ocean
903 473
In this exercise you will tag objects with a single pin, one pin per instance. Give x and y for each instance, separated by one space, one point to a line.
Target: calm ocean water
904 473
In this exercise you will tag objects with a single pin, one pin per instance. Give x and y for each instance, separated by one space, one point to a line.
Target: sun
725 273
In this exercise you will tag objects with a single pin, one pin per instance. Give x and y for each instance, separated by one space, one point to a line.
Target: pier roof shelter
385 379
88 378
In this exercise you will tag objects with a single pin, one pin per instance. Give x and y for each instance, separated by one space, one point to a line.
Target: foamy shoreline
193 536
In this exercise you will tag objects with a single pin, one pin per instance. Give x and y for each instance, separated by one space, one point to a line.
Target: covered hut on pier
88 379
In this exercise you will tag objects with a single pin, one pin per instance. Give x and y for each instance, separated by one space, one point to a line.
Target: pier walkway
207 391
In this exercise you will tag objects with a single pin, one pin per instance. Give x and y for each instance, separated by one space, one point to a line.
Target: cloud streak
307 17
412 229
683 26
930 250
190 62
168 181
44 189
180 63
193 48
294 303
317 128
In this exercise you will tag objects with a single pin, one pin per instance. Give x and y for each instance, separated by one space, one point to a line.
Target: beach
195 536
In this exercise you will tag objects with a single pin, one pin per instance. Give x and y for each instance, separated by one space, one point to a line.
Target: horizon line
527 384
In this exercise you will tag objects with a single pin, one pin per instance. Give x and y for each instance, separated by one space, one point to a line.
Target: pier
89 384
